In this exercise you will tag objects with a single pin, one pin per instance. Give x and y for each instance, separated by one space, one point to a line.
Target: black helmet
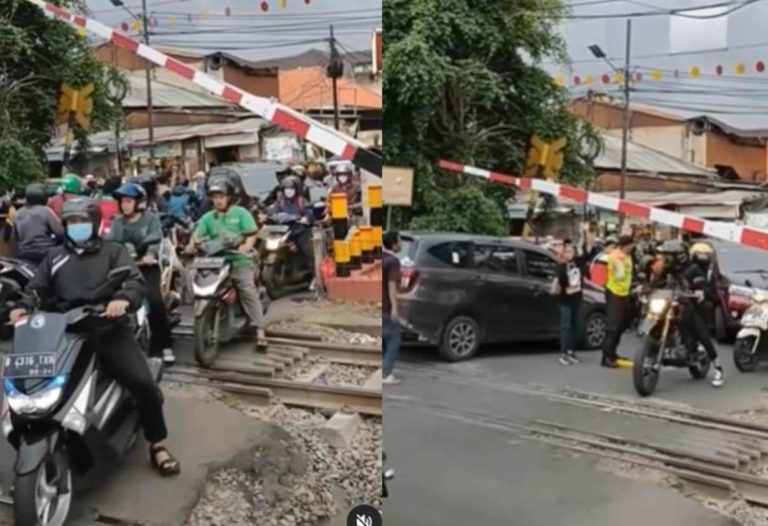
134 191
36 194
221 185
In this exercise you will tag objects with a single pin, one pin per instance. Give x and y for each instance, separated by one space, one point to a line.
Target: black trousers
121 357
159 325
616 323
694 329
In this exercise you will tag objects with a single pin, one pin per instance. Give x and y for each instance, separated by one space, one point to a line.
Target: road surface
453 471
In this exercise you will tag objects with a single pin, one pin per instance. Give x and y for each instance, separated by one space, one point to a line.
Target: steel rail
352 399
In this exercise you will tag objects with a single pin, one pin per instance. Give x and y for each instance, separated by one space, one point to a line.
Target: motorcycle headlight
35 404
657 305
273 243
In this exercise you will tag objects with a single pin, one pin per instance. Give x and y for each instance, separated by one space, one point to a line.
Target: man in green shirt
231 221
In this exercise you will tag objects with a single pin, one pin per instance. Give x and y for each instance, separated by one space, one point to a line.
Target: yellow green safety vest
619 287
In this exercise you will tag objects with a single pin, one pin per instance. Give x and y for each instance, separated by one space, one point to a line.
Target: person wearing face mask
346 184
73 275
291 201
136 225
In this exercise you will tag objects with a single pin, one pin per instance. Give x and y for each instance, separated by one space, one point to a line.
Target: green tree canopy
37 56
462 82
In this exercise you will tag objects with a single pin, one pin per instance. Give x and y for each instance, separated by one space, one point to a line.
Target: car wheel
721 327
461 339
594 331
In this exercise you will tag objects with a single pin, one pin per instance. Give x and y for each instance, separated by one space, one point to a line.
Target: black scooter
67 419
283 269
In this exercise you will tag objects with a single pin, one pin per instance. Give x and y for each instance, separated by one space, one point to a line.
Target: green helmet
71 183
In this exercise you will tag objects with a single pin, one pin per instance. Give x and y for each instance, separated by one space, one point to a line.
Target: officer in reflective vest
618 285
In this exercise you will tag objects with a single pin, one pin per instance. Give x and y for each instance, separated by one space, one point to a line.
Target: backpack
179 205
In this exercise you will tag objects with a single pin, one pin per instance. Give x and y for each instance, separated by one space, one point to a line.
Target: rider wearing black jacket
699 275
68 277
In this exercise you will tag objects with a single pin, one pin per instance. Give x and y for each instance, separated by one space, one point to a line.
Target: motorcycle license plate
33 365
208 263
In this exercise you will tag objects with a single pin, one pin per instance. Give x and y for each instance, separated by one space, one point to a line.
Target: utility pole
150 124
625 130
335 70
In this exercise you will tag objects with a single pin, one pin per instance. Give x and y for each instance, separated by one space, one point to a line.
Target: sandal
167 467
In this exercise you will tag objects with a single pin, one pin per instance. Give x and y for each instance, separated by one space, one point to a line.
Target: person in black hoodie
569 285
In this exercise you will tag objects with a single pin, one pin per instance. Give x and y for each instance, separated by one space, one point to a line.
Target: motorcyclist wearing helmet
274 194
346 183
230 220
292 201
136 225
36 228
73 275
700 273
71 187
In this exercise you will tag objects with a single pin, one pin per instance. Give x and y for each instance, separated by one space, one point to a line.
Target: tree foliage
463 82
37 56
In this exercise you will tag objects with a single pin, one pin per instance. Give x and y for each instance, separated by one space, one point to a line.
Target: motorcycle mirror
748 283
389 474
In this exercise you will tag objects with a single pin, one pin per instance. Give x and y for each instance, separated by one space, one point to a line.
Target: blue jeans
569 326
392 339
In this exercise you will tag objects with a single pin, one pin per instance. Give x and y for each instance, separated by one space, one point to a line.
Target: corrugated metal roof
140 137
667 199
643 159
166 95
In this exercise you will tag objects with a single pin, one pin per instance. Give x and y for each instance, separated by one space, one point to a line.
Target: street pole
145 27
334 56
625 130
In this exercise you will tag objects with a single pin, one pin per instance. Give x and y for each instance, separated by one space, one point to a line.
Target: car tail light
409 275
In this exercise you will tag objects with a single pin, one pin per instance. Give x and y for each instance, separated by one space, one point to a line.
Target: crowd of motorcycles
68 420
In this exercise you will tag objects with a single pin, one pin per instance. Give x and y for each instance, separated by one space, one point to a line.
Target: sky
243 28
677 56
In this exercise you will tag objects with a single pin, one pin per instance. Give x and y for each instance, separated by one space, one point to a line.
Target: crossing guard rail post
340 223
366 233
375 203
355 249
276 113
743 235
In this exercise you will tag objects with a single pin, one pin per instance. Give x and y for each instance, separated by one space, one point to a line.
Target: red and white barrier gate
742 235
280 115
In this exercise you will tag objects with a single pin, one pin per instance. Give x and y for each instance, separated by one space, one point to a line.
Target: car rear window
408 247
454 254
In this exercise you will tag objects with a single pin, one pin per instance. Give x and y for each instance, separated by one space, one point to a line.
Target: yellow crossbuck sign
77 103
547 156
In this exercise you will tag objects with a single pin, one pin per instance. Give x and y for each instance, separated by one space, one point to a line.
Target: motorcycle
14 276
388 474
68 421
750 347
283 269
662 342
219 316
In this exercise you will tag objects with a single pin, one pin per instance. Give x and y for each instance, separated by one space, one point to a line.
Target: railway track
267 390
335 353
719 452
